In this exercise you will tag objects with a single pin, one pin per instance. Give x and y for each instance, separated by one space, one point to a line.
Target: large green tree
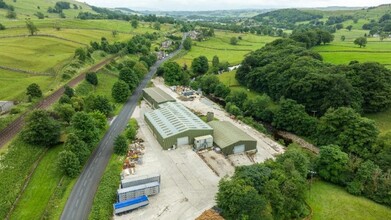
332 164
69 163
92 78
98 103
120 145
65 112
200 65
173 73
78 147
347 129
34 91
120 91
130 77
187 43
31 27
84 127
361 41
239 201
41 129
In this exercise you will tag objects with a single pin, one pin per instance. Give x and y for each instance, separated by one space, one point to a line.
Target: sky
205 5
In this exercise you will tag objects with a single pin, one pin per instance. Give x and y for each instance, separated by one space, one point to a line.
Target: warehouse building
155 96
175 125
231 139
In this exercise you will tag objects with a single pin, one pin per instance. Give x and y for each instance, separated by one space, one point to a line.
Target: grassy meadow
27 8
329 201
228 79
342 52
220 45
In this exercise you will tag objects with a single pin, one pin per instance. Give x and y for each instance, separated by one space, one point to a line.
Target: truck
148 189
131 204
135 181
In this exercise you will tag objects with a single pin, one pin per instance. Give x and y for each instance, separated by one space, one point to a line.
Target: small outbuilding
6 106
231 139
154 96
174 125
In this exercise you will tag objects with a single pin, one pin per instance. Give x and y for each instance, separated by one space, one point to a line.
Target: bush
120 91
120 145
69 163
34 91
41 129
92 78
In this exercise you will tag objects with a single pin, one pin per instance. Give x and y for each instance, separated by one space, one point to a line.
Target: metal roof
158 95
173 118
225 133
138 187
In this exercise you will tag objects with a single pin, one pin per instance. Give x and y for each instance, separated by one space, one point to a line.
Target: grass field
27 8
35 53
333 202
43 183
13 84
382 120
220 45
342 52
228 79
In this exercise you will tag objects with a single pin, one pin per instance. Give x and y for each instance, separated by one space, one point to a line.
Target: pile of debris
210 214
133 157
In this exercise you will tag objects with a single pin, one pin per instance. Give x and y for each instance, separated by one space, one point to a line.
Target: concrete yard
220 165
188 185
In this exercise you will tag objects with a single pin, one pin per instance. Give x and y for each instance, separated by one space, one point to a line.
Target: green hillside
27 8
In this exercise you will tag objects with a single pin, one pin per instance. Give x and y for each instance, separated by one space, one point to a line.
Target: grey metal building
174 124
155 96
6 106
231 139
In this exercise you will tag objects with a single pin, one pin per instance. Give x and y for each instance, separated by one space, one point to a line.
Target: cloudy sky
191 5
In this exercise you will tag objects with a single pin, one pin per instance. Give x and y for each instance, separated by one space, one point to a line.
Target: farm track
16 126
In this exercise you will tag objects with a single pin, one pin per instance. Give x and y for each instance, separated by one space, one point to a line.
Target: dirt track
16 126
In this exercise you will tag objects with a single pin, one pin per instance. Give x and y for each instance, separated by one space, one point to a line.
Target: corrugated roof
138 187
173 118
159 95
225 133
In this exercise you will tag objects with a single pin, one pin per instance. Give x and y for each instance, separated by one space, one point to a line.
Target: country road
81 198
9 132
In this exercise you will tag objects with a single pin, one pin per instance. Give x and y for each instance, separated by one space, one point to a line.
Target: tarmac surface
81 198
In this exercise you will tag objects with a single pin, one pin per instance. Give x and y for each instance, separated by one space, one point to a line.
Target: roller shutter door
239 149
182 141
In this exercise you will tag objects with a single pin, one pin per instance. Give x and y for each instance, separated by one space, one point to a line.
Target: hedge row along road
16 126
81 198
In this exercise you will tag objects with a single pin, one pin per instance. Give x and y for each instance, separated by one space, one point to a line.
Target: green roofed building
230 138
155 96
174 124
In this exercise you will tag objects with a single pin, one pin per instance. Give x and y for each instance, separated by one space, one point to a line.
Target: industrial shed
231 139
174 124
155 96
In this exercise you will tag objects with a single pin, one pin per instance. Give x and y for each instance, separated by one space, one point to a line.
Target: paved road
80 201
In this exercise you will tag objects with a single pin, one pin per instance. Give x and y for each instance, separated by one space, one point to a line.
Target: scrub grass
329 201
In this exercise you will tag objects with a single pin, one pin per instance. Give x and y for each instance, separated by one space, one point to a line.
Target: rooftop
158 95
138 187
173 118
225 133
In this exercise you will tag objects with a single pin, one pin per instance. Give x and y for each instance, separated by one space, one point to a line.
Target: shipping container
148 189
135 181
130 204
203 142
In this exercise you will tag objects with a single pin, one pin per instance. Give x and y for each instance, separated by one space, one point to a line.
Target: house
167 44
193 35
6 106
